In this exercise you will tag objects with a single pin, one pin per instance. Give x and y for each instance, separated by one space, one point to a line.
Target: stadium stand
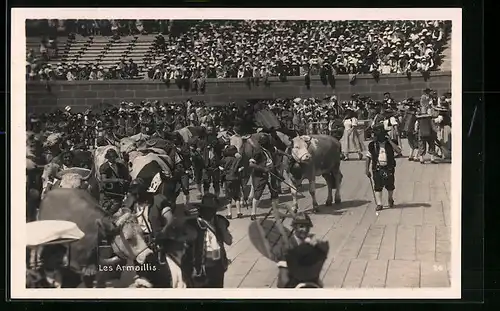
234 49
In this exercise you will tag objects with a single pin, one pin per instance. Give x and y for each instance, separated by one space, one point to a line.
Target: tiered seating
142 51
95 50
63 45
33 43
116 51
77 49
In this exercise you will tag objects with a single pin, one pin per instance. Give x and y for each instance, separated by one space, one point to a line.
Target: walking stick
373 192
286 183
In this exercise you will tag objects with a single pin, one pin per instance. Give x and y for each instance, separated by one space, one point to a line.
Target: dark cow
122 231
315 155
157 171
248 145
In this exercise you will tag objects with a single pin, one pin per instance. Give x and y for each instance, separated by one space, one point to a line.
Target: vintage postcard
236 153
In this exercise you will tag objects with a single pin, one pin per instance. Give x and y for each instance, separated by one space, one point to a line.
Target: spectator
132 68
282 48
71 75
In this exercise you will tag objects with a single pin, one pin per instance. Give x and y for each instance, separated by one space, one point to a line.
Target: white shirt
176 273
388 124
142 212
382 156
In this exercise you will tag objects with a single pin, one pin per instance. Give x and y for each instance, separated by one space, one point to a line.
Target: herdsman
409 128
381 157
264 164
442 127
426 135
231 167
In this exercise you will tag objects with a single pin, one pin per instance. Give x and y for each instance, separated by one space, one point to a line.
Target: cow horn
110 261
86 178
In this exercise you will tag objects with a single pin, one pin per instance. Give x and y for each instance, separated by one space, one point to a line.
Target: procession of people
125 168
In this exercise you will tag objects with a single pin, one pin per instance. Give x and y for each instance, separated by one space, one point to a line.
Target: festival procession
153 189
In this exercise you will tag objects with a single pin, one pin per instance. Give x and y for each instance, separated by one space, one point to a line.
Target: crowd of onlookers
94 27
231 49
83 71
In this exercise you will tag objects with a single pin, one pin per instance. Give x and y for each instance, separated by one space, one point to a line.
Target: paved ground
407 246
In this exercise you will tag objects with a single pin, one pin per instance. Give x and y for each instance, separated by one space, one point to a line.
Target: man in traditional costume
426 136
381 165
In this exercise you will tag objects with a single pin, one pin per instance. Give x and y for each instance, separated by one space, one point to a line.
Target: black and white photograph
245 150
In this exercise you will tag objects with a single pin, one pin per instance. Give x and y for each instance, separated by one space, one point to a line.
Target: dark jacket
231 165
374 149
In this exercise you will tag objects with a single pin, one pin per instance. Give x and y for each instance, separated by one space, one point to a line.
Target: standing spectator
43 50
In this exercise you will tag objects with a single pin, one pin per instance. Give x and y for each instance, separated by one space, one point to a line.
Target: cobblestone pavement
406 246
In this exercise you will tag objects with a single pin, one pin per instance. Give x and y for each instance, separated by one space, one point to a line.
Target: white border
18 179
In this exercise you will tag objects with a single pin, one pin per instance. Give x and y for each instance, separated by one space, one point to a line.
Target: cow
82 163
121 230
311 156
191 131
157 171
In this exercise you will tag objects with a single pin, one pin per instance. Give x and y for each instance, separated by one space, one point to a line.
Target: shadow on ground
324 210
350 204
411 205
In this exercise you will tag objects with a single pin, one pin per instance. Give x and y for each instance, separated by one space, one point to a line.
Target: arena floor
406 246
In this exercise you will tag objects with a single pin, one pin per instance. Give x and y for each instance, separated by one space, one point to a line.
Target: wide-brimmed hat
209 201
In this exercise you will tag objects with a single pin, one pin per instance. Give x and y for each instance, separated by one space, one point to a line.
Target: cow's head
125 236
130 157
300 148
127 145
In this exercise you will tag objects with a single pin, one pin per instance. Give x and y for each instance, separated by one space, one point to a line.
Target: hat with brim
208 202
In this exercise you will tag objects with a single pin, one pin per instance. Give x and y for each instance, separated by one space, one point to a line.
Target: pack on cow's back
266 119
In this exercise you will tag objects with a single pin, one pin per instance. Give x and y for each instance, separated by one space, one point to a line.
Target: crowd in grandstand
256 48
